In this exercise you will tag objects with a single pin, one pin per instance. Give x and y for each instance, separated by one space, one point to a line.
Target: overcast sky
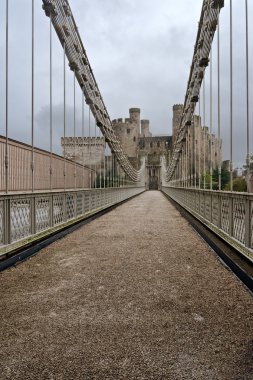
140 52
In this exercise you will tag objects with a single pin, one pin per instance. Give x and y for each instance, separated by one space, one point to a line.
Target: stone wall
84 150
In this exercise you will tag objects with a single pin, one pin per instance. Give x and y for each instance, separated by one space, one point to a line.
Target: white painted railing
229 214
27 216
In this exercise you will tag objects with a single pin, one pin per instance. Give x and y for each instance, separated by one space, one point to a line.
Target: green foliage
225 178
207 179
239 184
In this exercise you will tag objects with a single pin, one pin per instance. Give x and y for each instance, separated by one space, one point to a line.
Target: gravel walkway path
136 294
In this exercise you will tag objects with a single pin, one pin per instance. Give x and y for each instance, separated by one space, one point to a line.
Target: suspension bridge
123 287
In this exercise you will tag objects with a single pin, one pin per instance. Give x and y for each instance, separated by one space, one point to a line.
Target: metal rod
83 137
89 149
100 159
199 142
32 101
105 167
204 131
51 109
74 121
110 167
247 96
113 169
211 120
7 98
181 168
195 152
104 161
186 159
117 173
64 113
231 95
95 154
218 100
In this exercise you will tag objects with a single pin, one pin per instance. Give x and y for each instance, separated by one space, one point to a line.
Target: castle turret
145 128
135 117
177 113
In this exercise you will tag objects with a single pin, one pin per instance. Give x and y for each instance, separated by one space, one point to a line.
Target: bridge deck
136 294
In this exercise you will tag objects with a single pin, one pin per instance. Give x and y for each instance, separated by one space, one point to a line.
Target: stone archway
153 178
153 183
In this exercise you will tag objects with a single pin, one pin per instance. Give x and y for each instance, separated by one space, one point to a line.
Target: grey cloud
140 52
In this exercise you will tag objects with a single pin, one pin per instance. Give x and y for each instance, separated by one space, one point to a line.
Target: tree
225 178
240 184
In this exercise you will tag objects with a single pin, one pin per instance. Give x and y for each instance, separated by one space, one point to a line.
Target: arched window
134 138
151 145
158 144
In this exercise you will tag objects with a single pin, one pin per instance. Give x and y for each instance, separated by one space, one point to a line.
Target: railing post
230 210
204 200
7 221
75 205
219 210
33 215
83 202
51 210
248 223
64 207
90 200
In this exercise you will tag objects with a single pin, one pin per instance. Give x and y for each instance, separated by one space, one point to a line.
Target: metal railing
228 214
65 173
26 217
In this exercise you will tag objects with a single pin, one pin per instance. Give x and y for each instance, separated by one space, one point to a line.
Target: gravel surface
135 294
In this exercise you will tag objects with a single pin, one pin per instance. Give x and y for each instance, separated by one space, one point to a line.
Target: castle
138 142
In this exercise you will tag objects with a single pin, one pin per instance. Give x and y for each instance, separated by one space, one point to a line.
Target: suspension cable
204 132
211 120
247 96
218 100
51 102
32 102
200 138
90 150
74 123
64 115
231 93
83 162
7 98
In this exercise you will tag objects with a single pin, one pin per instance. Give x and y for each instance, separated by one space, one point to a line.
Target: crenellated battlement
178 107
80 141
121 121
